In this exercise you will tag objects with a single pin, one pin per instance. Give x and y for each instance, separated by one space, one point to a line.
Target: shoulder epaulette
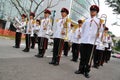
57 20
83 20
68 20
34 21
51 20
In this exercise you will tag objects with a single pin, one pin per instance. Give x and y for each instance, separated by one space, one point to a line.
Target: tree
33 6
115 4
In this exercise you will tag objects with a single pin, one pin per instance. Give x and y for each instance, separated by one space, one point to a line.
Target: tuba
16 23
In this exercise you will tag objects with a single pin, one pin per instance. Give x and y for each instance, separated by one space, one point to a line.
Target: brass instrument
16 23
65 29
103 20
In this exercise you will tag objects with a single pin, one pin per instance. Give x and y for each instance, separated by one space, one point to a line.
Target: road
17 65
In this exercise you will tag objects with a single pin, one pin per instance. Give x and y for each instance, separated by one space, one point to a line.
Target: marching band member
90 31
109 49
76 42
29 32
43 34
20 27
32 36
61 34
36 30
99 52
107 41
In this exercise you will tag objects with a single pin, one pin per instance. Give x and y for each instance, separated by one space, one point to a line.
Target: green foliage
115 4
117 46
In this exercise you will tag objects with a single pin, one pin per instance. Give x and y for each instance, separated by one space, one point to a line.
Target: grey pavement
17 65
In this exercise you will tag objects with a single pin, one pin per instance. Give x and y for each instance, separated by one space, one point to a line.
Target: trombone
103 18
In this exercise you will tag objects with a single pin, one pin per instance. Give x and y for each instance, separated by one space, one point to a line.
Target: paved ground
17 65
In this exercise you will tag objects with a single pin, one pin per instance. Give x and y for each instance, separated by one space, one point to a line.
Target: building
78 8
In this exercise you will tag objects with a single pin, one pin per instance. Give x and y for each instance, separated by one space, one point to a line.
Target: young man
109 49
32 36
36 30
29 31
20 27
107 41
99 52
61 33
76 42
90 31
43 34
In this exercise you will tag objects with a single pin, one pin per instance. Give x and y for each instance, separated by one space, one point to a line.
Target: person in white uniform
90 31
76 42
29 31
99 51
61 33
20 26
43 34
108 46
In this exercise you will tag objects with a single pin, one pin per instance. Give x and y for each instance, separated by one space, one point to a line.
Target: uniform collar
65 17
46 18
31 19
93 17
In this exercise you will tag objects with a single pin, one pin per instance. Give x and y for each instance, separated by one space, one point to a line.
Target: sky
111 18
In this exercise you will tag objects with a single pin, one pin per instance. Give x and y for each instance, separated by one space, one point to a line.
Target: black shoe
51 62
96 67
87 75
65 55
101 64
39 56
74 60
25 50
15 47
32 47
79 72
71 60
56 64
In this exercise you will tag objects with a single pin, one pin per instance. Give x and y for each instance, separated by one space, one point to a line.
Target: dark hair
80 21
38 21
106 29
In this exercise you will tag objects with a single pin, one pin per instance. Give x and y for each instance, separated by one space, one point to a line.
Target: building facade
78 8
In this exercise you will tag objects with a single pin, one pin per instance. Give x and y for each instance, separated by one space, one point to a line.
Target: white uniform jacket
59 28
89 30
30 27
76 36
45 23
100 45
20 27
